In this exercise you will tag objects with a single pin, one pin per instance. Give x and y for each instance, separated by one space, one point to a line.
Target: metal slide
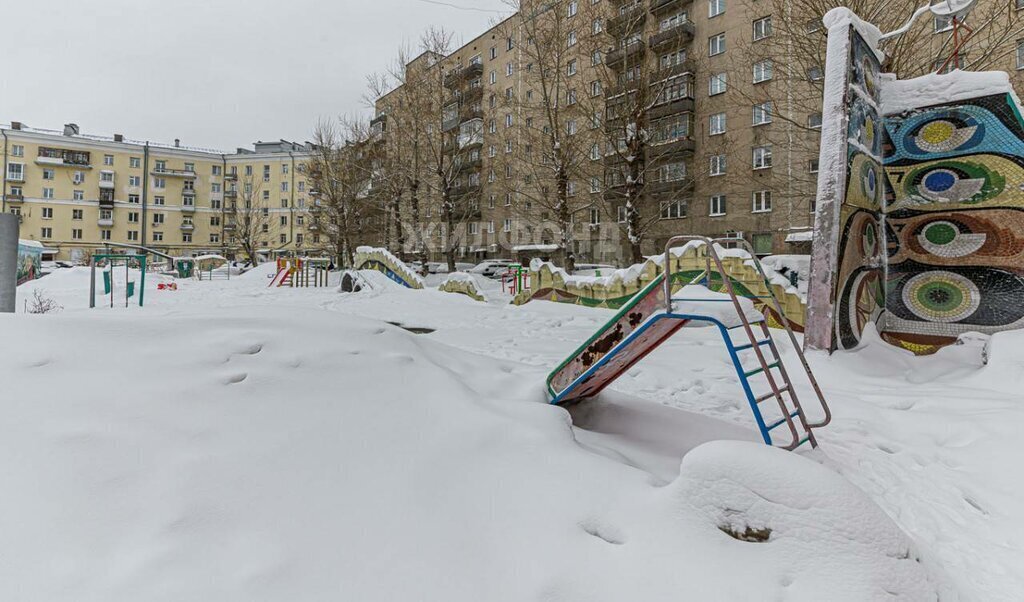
655 314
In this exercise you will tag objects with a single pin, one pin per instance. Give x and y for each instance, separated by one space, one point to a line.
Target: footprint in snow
236 378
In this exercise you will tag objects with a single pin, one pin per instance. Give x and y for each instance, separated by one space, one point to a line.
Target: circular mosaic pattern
941 296
945 238
951 132
949 183
869 239
869 181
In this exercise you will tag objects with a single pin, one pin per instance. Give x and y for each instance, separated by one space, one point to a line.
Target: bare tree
249 216
340 172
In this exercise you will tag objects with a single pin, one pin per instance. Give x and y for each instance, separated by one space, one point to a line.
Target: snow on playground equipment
108 277
612 291
920 219
463 284
381 260
301 272
206 267
514 279
654 314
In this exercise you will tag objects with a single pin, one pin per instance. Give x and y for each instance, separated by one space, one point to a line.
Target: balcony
233 194
684 67
468 165
617 57
65 157
629 20
189 208
107 184
680 146
187 226
313 227
16 177
470 212
455 77
16 198
230 226
663 6
676 105
230 208
179 173
230 177
189 192
105 222
680 34
106 199
450 124
470 112
668 186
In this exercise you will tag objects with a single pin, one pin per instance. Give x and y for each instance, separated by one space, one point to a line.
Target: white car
491 268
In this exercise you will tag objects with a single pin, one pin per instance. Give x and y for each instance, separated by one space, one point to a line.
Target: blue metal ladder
765 350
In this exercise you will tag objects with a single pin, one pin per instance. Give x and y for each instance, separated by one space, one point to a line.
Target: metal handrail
712 254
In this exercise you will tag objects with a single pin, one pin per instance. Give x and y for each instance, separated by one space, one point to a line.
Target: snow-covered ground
234 442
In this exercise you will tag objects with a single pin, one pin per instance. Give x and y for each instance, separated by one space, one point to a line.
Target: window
78 195
672 172
942 23
284 220
133 235
715 8
570 68
158 218
716 44
595 58
76 234
493 77
673 209
135 181
134 162
158 200
762 201
508 199
595 152
186 237
16 172
108 159
17 150
814 73
133 198
595 87
105 235
763 113
595 184
762 156
214 237
595 216
1020 53
717 165
133 217
762 28
159 183
46 232
622 214
158 236
596 27
571 41
506 226
946 66
48 174
77 213
812 165
509 44
509 69
716 124
814 121
762 244
717 207
215 220
215 170
717 83
47 193
813 25
571 12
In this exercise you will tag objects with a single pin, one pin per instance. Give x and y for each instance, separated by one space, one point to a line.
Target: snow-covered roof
30 243
805 236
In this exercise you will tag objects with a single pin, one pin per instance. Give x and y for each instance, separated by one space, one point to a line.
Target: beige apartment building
78 193
733 120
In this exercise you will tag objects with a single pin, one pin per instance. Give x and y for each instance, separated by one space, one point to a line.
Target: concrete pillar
8 261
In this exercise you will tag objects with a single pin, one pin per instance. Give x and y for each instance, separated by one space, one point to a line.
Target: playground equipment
515 279
108 277
654 314
301 272
205 267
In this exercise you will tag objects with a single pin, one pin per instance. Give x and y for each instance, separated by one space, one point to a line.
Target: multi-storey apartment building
730 116
78 193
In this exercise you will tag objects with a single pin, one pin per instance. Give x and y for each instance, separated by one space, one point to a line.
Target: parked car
441 267
491 268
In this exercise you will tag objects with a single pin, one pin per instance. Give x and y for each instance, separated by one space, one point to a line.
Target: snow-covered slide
655 314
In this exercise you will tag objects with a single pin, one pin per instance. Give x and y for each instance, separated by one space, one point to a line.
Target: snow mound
767 498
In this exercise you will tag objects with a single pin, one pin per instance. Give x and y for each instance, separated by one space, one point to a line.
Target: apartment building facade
732 122
77 194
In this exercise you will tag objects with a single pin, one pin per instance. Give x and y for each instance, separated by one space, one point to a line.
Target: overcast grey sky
214 73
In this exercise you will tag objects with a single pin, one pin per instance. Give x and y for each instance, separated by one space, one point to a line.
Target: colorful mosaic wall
954 222
861 265
931 217
552 284
373 258
462 284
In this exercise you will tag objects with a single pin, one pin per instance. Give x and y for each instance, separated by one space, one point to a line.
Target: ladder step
759 370
751 345
767 396
804 440
782 421
752 322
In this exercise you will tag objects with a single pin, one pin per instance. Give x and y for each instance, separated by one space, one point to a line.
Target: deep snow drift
234 442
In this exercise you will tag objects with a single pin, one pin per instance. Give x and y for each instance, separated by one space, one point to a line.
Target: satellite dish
952 8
